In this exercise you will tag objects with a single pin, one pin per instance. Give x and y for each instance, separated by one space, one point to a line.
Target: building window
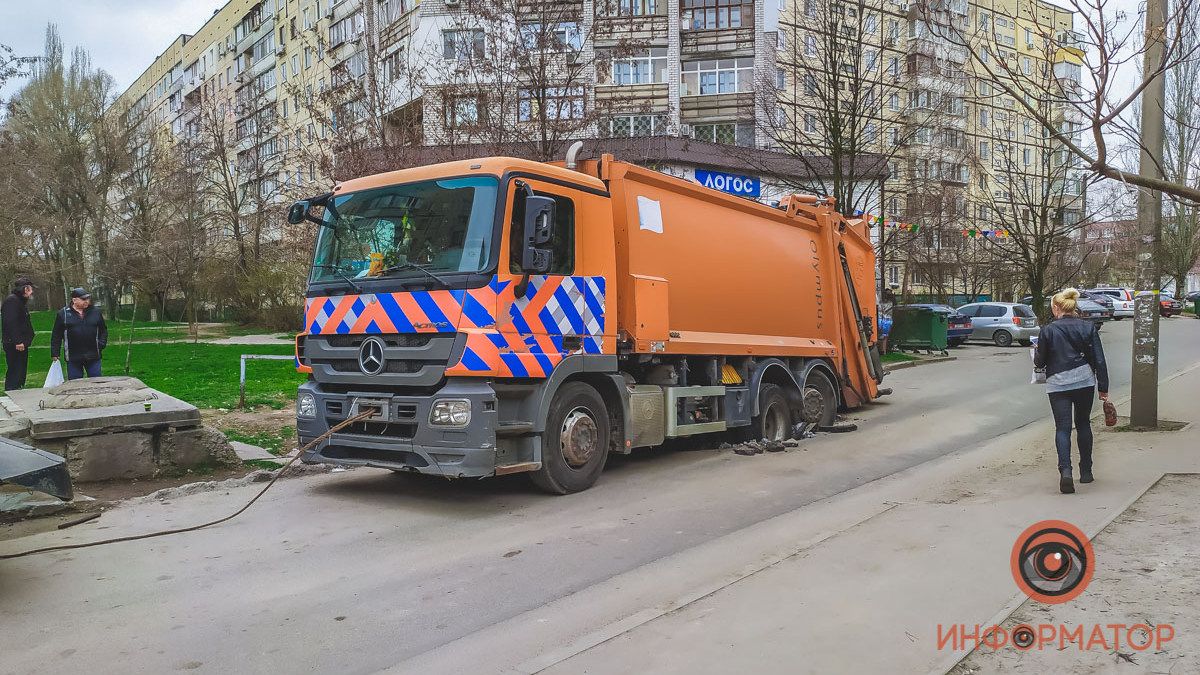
263 48
870 24
869 132
724 76
465 111
462 45
893 66
810 123
625 126
647 68
810 84
709 14
636 7
557 103
810 45
553 37
810 8
983 118
727 133
780 78
893 274
393 65
346 29
893 136
391 10
894 101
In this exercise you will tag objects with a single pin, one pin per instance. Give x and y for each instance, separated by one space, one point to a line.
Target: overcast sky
123 36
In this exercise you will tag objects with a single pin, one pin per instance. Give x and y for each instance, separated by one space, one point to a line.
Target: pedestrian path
859 582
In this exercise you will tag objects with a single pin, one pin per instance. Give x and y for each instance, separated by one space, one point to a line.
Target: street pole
1144 390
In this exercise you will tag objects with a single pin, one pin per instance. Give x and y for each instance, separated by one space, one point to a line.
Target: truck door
561 311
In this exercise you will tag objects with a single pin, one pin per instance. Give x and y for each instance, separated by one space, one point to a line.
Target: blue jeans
76 369
1074 405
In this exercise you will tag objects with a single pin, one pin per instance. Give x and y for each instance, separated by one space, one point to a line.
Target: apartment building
298 79
965 158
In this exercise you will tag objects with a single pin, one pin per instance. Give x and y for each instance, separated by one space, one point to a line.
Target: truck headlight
451 412
306 406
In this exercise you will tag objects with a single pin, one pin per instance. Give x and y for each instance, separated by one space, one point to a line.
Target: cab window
562 242
992 311
969 310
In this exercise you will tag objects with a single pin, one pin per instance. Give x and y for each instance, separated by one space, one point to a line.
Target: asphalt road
359 571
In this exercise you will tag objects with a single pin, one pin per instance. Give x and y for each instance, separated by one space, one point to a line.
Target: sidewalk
859 582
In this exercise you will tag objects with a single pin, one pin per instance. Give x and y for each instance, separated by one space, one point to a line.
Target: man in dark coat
17 332
81 327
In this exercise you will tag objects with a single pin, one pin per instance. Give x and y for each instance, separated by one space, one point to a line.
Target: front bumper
402 439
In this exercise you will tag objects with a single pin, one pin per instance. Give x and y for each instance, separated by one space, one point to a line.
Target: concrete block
111 456
46 421
186 448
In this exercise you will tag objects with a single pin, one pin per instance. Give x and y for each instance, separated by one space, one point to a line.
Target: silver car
1001 323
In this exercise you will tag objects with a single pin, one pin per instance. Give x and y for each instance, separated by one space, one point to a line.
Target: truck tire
774 421
575 443
1002 338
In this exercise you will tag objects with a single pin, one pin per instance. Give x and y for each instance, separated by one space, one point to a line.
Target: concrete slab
47 422
245 451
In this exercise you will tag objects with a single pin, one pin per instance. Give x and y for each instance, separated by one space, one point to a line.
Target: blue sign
743 186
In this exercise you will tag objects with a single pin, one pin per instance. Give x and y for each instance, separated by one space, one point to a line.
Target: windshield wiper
415 266
338 271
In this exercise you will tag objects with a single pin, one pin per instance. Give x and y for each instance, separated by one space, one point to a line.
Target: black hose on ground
366 413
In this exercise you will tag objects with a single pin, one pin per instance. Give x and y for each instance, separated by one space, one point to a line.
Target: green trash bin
1196 308
918 328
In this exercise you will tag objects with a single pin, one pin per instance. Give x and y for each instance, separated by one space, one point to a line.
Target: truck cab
447 298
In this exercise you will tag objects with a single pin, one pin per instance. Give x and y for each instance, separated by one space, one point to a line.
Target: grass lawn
147 331
897 357
204 375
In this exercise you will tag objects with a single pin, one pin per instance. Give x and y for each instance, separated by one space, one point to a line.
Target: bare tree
65 161
1089 82
1035 192
237 150
1180 243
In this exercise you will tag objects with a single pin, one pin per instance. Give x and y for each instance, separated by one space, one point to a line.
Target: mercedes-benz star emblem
370 356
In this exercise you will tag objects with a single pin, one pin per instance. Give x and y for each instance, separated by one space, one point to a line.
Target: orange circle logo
1052 561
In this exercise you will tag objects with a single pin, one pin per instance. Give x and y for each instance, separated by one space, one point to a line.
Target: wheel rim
775 422
578 438
1003 339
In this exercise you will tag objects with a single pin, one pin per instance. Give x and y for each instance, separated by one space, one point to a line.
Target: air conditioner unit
280 50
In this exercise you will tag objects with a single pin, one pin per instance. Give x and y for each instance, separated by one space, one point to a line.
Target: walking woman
1069 349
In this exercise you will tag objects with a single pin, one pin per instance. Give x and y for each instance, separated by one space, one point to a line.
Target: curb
919 362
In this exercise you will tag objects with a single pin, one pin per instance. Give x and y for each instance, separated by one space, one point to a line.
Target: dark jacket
1071 342
14 321
86 335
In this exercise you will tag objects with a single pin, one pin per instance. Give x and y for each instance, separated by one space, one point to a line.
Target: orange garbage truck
501 316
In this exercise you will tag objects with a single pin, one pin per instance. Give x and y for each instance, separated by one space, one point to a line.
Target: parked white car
1122 300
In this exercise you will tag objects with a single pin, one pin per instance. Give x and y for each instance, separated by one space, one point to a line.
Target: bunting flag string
968 232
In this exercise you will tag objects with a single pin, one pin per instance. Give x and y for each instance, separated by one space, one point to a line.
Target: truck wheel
1002 338
774 421
575 443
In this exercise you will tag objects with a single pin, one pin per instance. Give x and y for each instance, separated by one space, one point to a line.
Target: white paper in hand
55 376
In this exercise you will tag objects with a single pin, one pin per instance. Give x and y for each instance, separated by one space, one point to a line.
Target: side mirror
538 230
298 212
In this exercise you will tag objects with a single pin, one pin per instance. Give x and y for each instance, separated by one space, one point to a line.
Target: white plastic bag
55 376
1039 374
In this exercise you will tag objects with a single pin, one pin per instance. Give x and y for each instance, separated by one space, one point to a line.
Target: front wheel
1003 338
575 443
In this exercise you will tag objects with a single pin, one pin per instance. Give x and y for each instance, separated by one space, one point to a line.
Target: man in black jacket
17 332
82 327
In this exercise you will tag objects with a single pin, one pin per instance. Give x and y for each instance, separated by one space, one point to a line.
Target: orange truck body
686 310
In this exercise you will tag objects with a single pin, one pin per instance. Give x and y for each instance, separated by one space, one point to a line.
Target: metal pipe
571 152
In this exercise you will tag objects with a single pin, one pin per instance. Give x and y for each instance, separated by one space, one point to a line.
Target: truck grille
410 360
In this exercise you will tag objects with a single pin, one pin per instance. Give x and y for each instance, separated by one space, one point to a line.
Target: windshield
440 226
